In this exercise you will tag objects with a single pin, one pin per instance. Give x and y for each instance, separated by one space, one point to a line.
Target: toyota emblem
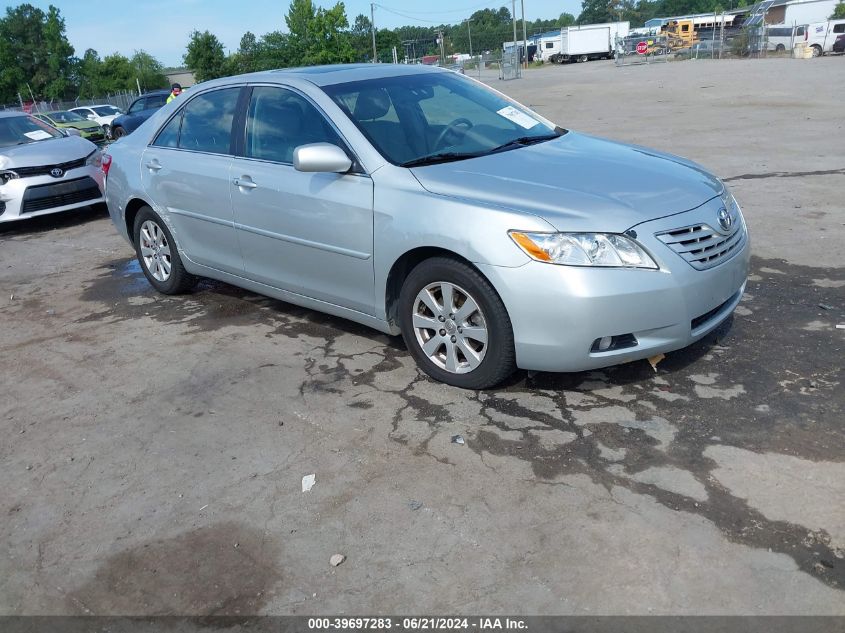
725 219
57 172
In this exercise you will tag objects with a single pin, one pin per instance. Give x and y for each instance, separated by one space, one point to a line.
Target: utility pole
469 33
442 48
524 35
515 49
373 29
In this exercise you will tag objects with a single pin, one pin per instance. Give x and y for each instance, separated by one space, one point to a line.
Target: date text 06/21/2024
415 624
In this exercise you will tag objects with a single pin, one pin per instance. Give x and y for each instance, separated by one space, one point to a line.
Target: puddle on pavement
222 569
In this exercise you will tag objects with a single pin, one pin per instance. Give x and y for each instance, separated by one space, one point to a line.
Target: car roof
5 114
332 73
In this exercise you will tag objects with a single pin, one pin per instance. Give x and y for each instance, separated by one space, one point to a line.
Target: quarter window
839 28
207 122
278 121
169 135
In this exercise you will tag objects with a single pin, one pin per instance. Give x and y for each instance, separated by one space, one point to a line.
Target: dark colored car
839 44
140 110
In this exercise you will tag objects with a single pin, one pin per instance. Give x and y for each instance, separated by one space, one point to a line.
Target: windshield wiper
439 157
523 141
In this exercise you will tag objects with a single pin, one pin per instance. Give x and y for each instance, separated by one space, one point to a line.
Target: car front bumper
558 313
24 198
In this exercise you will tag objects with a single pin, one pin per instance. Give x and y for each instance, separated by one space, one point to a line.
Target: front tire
455 325
817 50
158 255
118 132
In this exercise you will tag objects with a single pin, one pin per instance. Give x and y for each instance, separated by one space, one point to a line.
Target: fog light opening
613 343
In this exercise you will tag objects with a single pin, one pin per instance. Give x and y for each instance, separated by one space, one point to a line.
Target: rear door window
207 122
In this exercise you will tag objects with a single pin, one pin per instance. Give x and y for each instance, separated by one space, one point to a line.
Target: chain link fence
120 100
758 41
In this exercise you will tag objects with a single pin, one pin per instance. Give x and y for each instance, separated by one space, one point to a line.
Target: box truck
582 43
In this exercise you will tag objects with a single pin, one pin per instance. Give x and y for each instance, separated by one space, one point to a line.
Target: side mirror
92 117
321 157
71 131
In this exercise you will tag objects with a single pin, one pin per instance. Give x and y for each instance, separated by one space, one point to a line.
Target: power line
405 15
477 6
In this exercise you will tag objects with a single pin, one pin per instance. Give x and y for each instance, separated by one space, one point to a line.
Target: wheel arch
404 265
132 208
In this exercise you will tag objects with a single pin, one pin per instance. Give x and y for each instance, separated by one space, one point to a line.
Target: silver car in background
43 170
418 201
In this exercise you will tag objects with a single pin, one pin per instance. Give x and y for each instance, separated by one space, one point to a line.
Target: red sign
642 48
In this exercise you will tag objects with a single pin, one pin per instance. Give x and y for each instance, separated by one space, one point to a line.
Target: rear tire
158 256
455 325
118 132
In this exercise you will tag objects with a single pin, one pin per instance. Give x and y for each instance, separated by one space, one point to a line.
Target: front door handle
153 165
245 182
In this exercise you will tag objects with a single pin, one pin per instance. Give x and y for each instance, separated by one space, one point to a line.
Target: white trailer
581 43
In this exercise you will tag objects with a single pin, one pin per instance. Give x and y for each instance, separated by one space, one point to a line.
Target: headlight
94 158
584 249
6 176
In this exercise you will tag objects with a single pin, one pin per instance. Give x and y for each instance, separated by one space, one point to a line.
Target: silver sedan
420 202
44 170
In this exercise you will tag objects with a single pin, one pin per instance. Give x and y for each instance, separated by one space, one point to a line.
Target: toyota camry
420 202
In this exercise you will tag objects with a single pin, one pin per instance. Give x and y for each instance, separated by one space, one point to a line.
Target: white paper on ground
308 482
518 117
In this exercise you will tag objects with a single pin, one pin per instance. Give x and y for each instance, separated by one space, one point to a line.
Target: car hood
51 152
82 125
578 183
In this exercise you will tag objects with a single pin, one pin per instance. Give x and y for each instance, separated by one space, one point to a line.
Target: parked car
705 49
45 170
103 114
418 201
839 44
139 111
89 130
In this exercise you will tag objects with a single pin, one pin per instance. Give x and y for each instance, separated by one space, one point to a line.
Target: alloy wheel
450 327
155 251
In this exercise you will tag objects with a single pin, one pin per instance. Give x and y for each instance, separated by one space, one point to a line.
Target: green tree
34 54
317 35
205 56
838 11
148 70
116 73
360 37
89 74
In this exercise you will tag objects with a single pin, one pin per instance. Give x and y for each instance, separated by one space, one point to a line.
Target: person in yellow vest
175 91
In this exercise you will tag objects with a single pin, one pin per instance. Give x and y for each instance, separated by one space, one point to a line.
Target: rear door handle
153 165
245 182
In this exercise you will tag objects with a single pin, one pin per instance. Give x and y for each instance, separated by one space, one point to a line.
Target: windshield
19 130
425 118
65 117
106 110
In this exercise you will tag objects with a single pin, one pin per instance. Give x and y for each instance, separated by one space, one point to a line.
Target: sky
163 27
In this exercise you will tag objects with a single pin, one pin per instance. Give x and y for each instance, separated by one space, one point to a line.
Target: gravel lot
153 447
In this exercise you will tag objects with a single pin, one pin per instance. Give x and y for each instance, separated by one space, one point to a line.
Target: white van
783 38
822 35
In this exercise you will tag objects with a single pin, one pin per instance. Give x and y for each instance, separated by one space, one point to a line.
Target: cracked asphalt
153 447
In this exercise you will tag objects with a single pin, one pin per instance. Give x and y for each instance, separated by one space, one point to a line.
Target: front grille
704 318
44 197
44 170
702 246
